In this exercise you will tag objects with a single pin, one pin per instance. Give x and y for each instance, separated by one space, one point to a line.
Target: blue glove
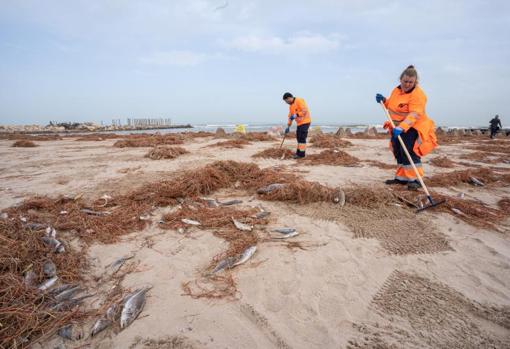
397 131
380 98
292 117
287 130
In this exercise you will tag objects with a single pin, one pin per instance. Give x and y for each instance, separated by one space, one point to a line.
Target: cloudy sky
210 61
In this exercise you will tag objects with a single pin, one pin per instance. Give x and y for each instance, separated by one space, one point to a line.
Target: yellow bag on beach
240 129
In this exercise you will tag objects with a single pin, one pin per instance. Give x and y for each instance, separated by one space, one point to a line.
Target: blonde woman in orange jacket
406 106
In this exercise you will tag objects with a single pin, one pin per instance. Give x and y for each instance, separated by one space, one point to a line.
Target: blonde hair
409 71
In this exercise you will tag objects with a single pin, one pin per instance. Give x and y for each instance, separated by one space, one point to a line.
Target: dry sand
440 283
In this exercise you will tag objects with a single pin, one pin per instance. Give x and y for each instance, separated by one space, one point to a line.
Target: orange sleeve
417 103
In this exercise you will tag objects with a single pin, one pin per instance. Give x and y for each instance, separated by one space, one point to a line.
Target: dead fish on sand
241 226
49 269
231 203
61 288
287 235
30 278
262 214
112 311
70 332
226 263
190 222
67 294
247 254
100 325
284 230
35 226
270 188
457 211
51 232
54 244
339 197
133 307
211 202
95 213
69 304
48 283
476 182
119 262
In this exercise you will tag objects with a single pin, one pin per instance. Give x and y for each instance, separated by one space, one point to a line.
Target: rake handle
420 179
283 140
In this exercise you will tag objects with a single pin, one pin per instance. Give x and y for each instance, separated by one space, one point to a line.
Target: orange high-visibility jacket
408 110
299 108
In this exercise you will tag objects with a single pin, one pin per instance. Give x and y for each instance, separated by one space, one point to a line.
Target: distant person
495 126
406 106
298 110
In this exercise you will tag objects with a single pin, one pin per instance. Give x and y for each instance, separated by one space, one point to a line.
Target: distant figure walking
495 126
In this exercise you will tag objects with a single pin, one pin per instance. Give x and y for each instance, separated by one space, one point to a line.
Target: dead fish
70 332
476 181
61 288
211 202
119 262
231 202
263 214
4 215
35 226
54 244
457 211
284 230
63 212
247 254
339 197
95 213
111 312
49 269
23 219
226 263
99 326
48 283
51 232
286 236
67 294
132 307
30 278
69 304
461 195
270 188
190 221
145 217
242 226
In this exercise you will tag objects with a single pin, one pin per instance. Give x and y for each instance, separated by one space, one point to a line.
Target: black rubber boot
394 181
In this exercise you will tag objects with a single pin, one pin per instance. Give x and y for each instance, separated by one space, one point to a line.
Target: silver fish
61 288
241 226
262 214
286 236
270 188
284 230
339 197
231 202
48 283
476 182
49 269
111 312
100 325
67 294
226 263
69 304
211 202
35 226
54 244
132 307
247 254
51 232
118 263
30 278
95 213
190 221
457 211
70 332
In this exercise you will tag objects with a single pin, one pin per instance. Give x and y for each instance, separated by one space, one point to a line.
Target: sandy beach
359 275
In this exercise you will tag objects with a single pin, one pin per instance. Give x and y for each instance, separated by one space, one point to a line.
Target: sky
230 61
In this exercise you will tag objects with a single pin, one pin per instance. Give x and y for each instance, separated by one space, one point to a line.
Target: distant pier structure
161 122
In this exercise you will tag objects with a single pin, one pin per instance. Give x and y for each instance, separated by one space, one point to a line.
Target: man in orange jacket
298 110
406 106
